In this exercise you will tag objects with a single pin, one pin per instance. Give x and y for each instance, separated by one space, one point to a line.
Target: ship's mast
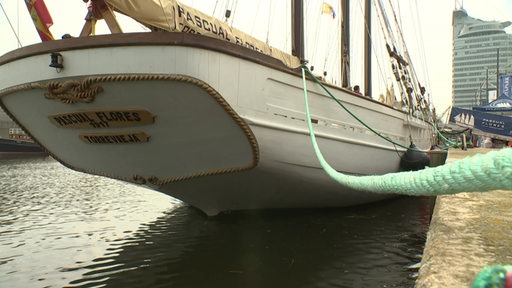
367 49
345 43
298 29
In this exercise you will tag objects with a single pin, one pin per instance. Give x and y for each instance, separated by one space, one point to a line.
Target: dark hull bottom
11 148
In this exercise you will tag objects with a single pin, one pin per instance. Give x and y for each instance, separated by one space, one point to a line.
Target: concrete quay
468 232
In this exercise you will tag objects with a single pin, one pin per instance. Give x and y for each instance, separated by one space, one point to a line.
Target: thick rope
446 140
450 143
305 69
497 276
492 171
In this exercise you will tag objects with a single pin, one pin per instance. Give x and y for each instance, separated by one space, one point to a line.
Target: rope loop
72 91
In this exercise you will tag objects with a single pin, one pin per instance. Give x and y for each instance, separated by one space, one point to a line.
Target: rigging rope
368 31
492 171
413 75
352 114
447 141
10 24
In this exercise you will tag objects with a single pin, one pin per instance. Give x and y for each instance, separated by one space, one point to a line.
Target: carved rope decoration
72 91
83 92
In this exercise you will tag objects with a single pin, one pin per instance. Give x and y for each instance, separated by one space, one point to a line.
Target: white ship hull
205 124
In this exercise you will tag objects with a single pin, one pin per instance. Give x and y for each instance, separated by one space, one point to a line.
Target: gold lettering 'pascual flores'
115 138
103 118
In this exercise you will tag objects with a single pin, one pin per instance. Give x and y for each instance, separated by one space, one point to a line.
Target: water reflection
60 228
361 247
53 218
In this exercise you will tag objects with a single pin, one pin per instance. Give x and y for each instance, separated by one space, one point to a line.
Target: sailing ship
205 113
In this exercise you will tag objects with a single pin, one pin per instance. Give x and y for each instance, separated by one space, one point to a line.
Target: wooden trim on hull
162 39
145 39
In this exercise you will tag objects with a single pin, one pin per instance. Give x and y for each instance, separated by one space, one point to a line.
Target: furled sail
170 15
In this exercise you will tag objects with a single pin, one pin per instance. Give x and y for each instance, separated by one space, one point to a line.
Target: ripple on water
64 228
55 219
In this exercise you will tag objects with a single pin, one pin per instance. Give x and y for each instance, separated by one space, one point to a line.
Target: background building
478 47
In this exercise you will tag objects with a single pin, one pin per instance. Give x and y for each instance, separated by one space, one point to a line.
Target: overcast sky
435 23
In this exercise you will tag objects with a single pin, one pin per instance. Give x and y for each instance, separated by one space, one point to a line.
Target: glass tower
478 47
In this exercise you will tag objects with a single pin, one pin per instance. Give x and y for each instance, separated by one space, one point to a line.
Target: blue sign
485 122
506 85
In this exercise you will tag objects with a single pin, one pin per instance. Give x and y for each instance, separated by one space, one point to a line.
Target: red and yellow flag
328 9
41 18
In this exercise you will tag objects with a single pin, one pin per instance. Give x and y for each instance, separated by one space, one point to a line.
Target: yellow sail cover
170 15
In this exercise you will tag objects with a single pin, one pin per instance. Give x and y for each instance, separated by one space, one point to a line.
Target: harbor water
61 228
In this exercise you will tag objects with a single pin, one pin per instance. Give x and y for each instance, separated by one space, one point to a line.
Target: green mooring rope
492 171
497 276
450 143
